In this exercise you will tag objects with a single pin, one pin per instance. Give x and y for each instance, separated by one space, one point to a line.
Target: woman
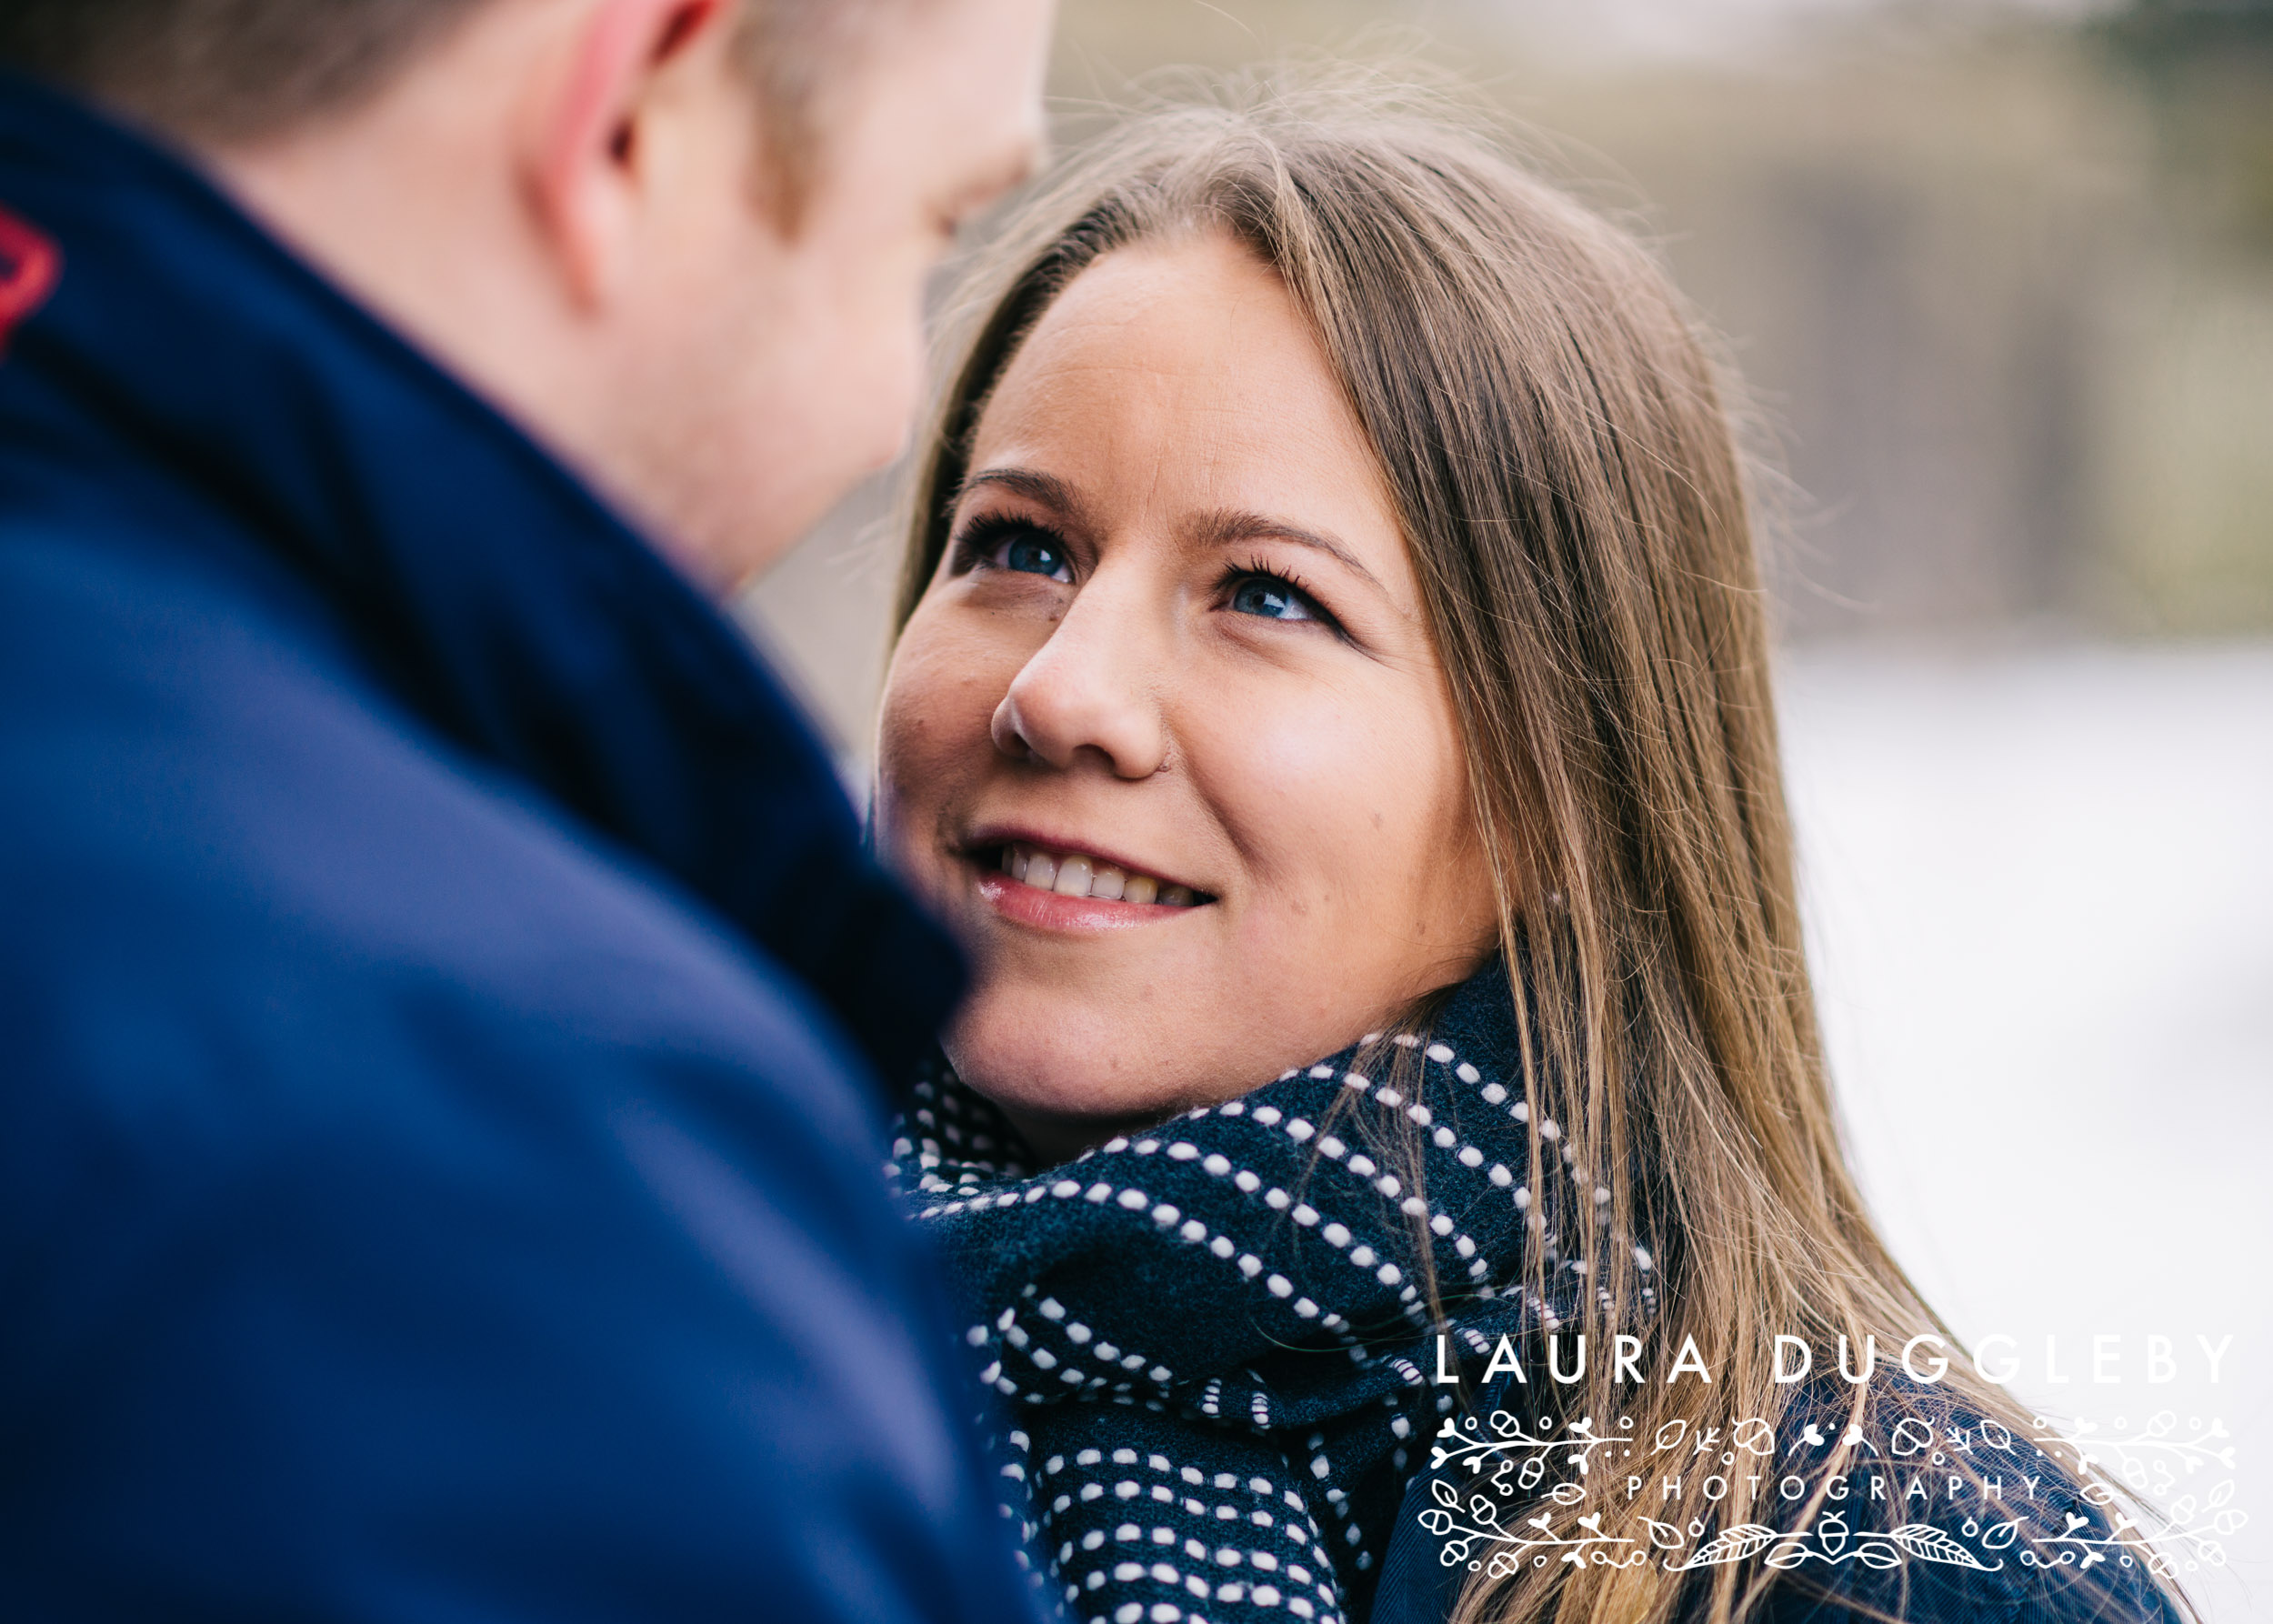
1332 628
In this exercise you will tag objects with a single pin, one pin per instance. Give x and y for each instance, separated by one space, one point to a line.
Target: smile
1076 875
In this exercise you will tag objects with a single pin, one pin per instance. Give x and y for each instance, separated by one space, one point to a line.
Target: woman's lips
1072 890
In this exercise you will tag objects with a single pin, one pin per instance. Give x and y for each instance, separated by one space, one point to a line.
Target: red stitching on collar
30 266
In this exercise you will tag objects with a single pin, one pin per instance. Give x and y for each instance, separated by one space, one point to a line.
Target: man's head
683 241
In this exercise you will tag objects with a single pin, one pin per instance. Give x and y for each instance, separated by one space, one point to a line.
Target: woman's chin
1068 1083
1035 1083
1073 1065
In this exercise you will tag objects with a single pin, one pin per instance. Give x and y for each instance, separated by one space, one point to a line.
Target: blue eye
1005 541
1271 598
1034 555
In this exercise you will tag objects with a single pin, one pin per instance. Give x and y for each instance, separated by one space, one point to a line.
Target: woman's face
1166 738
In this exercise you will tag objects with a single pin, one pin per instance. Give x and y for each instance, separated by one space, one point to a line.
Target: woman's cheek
921 739
1347 800
1301 787
1307 775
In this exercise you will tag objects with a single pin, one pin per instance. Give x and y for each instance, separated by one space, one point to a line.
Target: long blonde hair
1558 435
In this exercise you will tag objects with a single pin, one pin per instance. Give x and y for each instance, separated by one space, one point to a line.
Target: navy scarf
1219 1370
1214 1340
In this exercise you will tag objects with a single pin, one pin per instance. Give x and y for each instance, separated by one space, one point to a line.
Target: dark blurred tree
2206 68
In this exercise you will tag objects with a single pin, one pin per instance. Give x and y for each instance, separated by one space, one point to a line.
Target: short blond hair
230 70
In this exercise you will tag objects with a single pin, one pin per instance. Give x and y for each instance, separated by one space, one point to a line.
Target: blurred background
2000 275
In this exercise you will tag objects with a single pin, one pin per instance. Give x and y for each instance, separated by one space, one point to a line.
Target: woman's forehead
1183 375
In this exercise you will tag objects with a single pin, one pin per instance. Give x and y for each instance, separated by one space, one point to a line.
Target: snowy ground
2041 887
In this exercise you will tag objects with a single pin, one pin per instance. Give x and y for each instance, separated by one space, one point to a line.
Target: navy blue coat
442 993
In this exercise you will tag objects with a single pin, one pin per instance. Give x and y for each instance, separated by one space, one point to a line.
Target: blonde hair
1557 434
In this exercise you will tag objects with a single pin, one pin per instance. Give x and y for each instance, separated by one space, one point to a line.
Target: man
444 995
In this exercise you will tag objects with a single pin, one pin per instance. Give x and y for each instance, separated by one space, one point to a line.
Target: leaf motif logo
1930 1544
1663 1535
1747 1538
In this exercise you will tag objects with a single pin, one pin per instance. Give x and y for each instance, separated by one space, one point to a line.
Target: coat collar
181 355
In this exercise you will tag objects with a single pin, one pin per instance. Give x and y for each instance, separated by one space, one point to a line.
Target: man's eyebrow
1231 527
1010 170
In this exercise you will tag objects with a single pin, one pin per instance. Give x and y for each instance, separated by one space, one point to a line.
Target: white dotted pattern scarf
1212 1339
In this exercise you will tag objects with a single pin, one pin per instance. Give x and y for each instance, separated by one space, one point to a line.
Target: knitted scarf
1214 1340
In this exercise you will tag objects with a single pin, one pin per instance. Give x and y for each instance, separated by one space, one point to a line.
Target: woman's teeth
1074 875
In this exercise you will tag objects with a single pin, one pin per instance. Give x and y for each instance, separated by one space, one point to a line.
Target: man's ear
581 147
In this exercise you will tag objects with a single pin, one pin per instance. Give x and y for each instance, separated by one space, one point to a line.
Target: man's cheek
875 393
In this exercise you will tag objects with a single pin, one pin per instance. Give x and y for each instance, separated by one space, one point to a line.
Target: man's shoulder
222 846
375 1139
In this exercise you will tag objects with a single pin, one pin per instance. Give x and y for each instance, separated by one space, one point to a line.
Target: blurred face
769 367
567 200
1166 737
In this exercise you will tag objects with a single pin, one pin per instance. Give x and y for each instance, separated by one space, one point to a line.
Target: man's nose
1094 686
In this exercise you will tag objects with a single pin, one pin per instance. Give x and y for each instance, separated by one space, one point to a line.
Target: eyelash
1256 569
976 543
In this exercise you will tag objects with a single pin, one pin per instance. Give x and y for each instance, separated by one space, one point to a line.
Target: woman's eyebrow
1231 527
1045 488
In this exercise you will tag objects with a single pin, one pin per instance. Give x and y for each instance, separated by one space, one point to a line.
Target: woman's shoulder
1935 1512
1921 1507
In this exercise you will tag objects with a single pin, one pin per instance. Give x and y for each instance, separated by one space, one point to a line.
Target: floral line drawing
2143 1460
2189 1537
2150 1452
1591 1545
1509 1447
1829 1540
1510 1459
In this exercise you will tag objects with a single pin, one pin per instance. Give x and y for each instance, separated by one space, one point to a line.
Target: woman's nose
1090 687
